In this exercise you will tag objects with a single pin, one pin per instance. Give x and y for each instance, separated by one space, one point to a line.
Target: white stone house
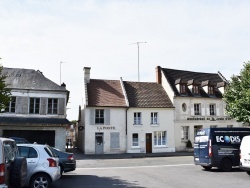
150 118
37 110
197 98
108 124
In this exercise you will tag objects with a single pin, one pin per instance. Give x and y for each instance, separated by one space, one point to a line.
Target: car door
31 156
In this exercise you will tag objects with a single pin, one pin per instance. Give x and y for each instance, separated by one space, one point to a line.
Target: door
148 142
98 143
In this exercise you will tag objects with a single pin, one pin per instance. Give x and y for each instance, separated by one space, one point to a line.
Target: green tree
4 91
237 95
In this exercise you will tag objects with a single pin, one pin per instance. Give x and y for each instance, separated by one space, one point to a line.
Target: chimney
158 74
86 71
63 85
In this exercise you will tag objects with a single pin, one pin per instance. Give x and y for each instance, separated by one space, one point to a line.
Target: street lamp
138 46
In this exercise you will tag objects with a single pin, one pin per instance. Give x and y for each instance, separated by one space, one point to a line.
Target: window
184 107
27 152
52 106
12 105
154 119
210 90
197 109
196 89
182 88
184 132
135 139
99 116
160 138
137 118
212 109
34 105
213 126
229 126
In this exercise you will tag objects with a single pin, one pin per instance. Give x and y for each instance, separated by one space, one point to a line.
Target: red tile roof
105 93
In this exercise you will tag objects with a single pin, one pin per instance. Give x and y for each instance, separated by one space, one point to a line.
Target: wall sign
106 128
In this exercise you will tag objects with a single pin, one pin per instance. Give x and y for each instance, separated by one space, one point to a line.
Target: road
160 172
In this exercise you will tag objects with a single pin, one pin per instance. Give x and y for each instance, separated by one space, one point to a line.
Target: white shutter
92 117
208 110
217 111
107 117
192 109
203 110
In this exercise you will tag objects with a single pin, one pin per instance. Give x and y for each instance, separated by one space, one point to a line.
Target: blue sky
196 35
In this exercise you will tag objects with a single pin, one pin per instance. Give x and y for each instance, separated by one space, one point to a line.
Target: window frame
11 108
33 108
99 115
197 109
154 118
211 90
184 133
160 138
54 106
212 109
183 88
135 143
137 118
196 89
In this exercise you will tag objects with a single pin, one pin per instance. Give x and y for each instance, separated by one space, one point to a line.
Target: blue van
218 147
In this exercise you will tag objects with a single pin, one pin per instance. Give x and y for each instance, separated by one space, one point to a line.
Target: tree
4 91
237 95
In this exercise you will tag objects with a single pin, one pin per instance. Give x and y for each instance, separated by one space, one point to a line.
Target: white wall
166 123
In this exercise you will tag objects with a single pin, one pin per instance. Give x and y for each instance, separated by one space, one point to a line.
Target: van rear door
201 148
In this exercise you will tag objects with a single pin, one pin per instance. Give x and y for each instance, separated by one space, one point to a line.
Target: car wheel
226 165
207 167
40 180
61 170
248 172
18 172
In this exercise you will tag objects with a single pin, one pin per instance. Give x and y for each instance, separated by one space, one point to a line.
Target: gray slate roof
29 79
173 76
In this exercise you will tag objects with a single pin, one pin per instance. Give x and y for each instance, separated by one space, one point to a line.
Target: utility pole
138 46
61 71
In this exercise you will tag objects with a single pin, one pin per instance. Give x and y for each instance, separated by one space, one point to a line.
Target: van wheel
226 165
18 172
207 167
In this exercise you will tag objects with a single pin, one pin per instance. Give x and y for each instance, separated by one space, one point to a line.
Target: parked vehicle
20 140
67 160
13 169
43 166
218 147
245 154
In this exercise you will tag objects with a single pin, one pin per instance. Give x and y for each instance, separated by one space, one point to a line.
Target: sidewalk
80 156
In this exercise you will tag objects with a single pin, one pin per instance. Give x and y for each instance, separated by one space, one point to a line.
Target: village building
37 110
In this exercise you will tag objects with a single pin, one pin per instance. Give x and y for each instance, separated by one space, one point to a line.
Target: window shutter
192 109
92 117
107 117
217 111
61 106
114 140
22 105
203 110
43 106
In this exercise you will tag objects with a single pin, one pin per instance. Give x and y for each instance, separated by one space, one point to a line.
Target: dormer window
210 90
182 88
195 89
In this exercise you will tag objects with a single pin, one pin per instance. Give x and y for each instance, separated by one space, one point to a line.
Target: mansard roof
29 79
172 75
105 93
147 95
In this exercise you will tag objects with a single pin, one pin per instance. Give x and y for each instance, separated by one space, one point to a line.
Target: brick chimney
86 71
158 74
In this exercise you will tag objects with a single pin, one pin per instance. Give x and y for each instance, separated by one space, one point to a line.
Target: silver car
42 165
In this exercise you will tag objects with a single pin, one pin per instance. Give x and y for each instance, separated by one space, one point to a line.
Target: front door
148 142
98 143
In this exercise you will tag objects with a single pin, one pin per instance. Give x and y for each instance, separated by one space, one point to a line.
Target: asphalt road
160 172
